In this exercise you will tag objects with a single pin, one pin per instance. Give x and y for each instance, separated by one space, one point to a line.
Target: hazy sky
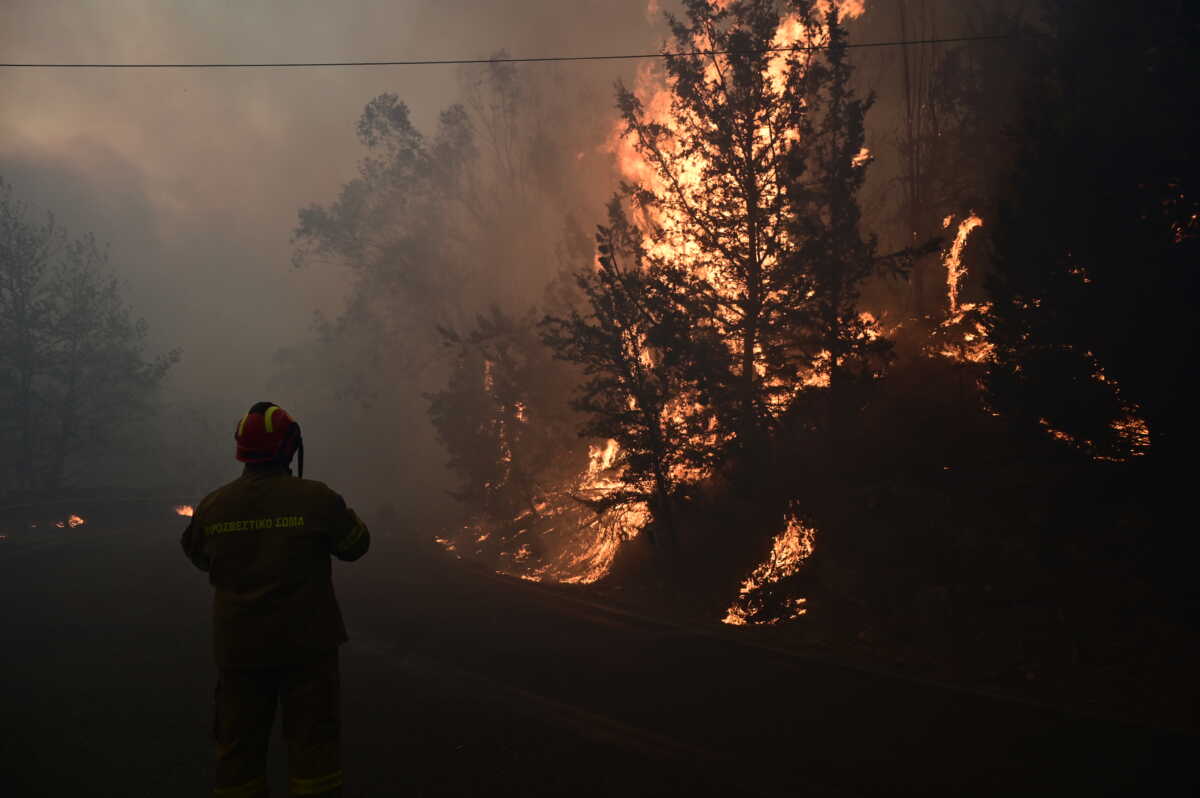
195 177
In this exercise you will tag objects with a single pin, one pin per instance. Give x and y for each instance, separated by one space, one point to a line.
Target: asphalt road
455 683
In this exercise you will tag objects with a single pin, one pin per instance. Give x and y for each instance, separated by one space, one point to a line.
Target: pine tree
628 342
715 207
833 257
73 366
732 301
503 416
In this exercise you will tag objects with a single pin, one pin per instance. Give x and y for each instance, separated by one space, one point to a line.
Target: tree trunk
25 466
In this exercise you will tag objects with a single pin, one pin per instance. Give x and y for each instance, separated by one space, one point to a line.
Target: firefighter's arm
351 538
193 545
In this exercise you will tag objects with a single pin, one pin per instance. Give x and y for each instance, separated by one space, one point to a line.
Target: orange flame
667 232
74 521
962 336
575 544
1131 429
185 510
789 550
953 258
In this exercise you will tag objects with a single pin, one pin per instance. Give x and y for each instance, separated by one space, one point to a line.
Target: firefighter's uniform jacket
265 540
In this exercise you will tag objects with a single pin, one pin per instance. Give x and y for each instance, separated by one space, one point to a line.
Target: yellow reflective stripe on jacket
252 789
353 537
267 418
318 785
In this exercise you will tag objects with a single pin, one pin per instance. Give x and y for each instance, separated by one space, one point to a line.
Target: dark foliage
504 417
73 368
638 354
1097 242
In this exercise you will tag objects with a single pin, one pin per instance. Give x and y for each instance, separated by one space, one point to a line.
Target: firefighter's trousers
245 711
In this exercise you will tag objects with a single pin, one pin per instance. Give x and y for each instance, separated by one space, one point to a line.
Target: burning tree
716 158
631 346
743 175
435 229
723 310
503 417
832 257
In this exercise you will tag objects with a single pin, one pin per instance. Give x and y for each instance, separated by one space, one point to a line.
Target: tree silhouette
73 368
834 258
504 418
630 343
1097 240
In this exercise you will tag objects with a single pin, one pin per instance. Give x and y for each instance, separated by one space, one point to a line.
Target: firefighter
265 540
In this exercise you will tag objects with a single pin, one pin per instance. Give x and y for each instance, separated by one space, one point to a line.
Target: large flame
655 92
671 239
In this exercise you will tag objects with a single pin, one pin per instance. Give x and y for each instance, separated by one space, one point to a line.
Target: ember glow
1134 432
185 510
74 521
1131 430
789 550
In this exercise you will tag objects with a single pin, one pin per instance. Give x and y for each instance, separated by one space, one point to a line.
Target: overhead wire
493 60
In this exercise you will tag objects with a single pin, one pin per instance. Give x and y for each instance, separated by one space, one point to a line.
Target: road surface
457 684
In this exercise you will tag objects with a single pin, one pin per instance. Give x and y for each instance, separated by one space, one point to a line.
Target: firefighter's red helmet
268 434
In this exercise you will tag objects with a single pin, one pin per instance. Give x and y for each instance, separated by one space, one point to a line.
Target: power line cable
532 60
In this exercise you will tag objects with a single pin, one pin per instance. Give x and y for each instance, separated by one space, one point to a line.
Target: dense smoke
196 177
